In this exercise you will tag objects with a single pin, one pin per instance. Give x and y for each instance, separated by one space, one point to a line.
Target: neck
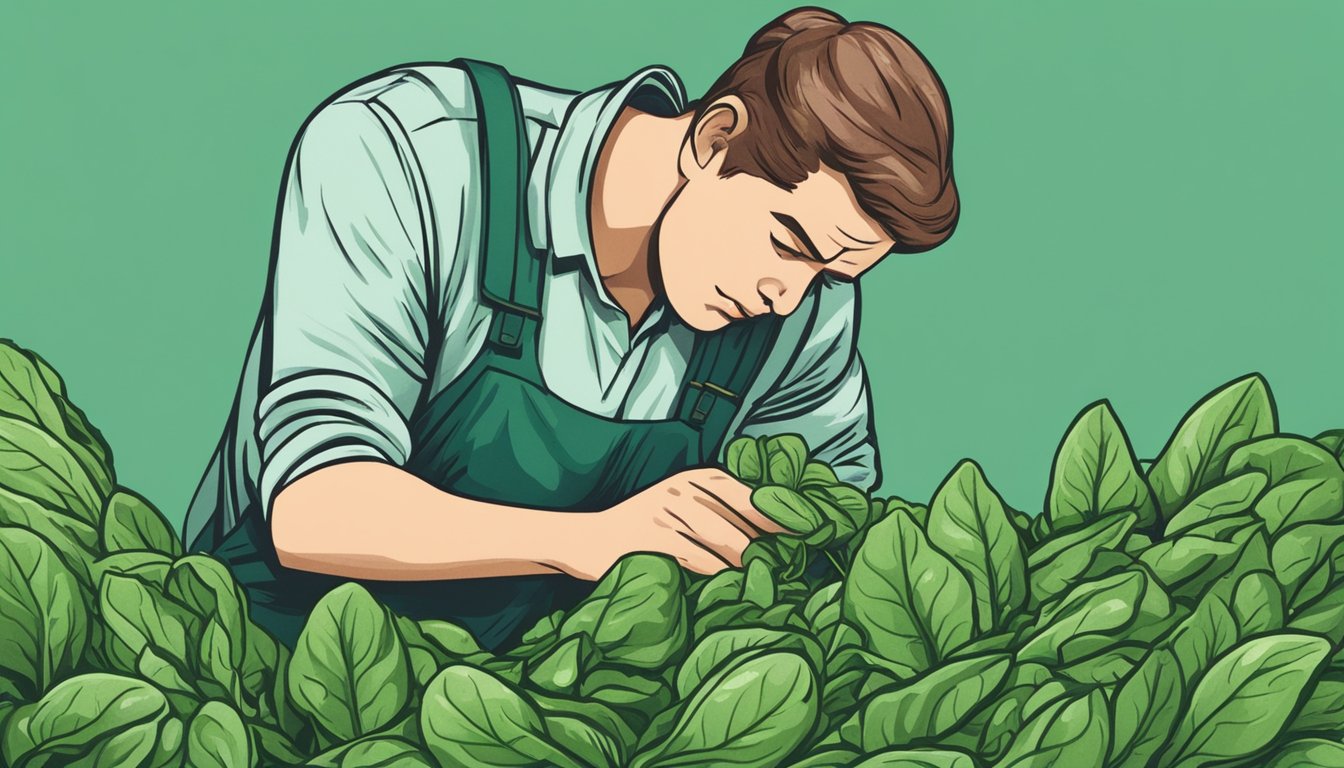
636 176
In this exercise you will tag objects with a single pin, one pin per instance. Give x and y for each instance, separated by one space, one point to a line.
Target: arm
345 359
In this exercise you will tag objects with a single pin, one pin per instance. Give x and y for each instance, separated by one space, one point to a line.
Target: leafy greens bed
1187 611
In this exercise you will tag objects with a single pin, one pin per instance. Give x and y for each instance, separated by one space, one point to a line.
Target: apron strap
511 272
723 365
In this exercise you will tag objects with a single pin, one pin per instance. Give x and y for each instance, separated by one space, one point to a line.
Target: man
508 328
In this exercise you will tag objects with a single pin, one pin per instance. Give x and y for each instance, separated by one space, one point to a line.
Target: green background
1150 203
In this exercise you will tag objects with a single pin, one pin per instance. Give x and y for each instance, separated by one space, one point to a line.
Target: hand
701 517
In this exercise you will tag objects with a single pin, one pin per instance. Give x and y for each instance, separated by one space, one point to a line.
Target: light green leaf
717 648
1096 473
1245 699
216 738
559 669
969 523
1068 732
31 391
1308 753
788 508
75 541
1257 604
818 475
786 457
374 752
37 465
637 614
1230 497
132 523
1324 710
1332 440
757 710
349 674
1196 455
745 461
88 721
1098 608
1306 484
919 758
1302 549
1057 562
44 626
914 606
137 616
471 717
933 705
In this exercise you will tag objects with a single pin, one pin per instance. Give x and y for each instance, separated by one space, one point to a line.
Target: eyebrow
793 226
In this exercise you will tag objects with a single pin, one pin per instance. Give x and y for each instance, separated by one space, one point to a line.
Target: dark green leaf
349 674
1196 455
1096 473
914 606
969 523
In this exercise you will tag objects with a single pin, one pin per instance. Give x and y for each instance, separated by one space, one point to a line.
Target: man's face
736 247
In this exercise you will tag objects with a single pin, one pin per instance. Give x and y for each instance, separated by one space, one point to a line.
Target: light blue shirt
373 304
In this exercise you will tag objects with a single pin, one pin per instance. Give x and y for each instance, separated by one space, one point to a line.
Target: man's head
826 146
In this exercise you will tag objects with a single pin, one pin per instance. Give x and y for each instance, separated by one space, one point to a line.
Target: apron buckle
506 331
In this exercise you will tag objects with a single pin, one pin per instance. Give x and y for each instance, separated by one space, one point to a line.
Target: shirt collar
590 118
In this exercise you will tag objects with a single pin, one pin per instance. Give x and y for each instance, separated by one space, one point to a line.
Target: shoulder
439 95
820 337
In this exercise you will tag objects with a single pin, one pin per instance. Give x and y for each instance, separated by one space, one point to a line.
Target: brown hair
857 97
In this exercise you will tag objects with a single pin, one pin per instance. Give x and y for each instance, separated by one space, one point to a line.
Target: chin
697 316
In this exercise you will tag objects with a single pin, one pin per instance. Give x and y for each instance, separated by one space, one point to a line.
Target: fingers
709 530
732 498
694 557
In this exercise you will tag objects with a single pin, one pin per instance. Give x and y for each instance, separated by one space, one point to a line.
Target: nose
780 297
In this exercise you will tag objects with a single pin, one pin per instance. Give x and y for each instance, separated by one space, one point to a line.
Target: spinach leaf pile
1183 612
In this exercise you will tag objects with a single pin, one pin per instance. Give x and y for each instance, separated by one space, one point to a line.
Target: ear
704 147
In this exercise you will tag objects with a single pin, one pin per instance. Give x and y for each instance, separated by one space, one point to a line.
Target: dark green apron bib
497 434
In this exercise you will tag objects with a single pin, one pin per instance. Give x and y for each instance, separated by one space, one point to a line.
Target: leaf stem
836 563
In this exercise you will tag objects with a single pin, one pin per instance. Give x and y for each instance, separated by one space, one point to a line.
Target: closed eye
787 250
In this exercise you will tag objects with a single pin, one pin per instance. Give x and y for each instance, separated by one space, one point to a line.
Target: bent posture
509 328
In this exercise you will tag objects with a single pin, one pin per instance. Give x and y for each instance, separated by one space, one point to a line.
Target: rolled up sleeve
823 394
344 355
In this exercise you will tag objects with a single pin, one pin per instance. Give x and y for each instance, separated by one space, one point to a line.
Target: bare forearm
370 520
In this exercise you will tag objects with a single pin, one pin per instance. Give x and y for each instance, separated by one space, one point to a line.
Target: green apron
497 434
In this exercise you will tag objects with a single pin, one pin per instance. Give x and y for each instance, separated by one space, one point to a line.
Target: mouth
737 306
